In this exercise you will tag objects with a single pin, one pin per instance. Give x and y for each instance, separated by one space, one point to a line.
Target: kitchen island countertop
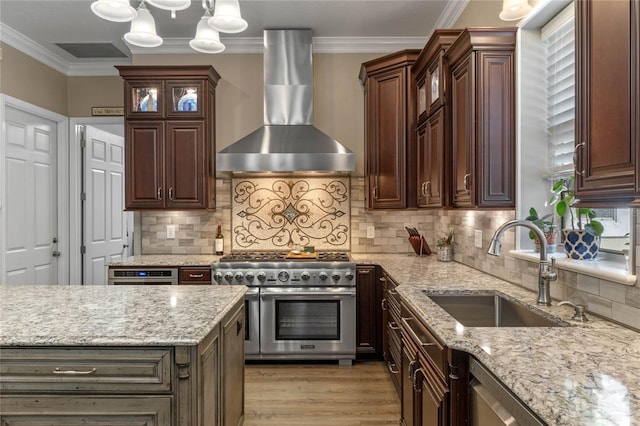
35 315
582 374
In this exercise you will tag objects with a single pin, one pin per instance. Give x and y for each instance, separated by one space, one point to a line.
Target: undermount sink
491 310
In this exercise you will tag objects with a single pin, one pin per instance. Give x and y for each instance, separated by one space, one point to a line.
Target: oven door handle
302 293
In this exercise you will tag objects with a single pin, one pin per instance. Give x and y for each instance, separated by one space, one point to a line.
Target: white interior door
106 224
31 209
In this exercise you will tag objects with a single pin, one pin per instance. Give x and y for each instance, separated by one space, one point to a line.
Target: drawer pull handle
383 304
196 275
393 326
390 367
414 335
74 372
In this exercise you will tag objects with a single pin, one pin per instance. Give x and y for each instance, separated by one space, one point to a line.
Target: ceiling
39 27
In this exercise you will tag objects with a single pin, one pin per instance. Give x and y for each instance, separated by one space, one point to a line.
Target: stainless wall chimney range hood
287 142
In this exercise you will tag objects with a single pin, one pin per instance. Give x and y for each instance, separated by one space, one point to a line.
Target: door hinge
83 138
83 249
83 196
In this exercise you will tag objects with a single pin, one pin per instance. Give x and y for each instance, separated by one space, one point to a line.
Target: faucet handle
578 314
548 272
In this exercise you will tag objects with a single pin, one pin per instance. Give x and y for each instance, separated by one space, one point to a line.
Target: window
546 119
558 38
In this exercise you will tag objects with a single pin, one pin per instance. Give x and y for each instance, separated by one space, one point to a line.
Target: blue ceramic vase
580 245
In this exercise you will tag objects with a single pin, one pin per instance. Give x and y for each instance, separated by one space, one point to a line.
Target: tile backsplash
257 210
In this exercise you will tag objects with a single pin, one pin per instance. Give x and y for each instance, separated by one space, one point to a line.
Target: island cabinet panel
170 137
39 410
606 97
200 384
482 106
233 368
390 130
369 323
86 370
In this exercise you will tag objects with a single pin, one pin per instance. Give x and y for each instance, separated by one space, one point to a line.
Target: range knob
305 276
228 277
218 277
249 276
262 277
335 276
349 275
322 276
239 276
283 276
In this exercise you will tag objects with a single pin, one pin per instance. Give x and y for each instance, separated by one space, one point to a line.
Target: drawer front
86 370
195 275
39 410
427 343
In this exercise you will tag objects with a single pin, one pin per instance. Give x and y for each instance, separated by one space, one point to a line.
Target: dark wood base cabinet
434 377
368 313
391 339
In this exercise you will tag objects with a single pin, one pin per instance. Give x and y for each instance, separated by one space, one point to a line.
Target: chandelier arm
208 5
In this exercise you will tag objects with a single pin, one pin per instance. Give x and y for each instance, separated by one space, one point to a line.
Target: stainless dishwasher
491 403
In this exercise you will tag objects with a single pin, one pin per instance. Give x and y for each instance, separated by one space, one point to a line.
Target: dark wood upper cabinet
607 101
390 130
170 137
481 101
431 74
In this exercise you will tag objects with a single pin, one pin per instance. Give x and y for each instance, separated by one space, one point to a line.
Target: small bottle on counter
219 241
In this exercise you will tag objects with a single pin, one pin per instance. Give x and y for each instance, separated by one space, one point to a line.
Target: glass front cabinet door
185 99
145 99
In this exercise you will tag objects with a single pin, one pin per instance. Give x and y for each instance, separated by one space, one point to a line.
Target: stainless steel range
296 308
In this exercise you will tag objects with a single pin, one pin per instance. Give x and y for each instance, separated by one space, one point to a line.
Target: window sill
605 269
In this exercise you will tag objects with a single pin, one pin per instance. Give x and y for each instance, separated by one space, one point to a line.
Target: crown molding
451 13
98 67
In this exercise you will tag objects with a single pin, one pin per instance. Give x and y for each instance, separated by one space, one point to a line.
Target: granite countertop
112 315
582 374
167 260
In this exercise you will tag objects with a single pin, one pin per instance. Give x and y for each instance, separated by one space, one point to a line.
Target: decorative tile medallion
285 212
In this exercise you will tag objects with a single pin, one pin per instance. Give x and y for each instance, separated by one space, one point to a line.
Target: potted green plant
546 226
445 247
582 240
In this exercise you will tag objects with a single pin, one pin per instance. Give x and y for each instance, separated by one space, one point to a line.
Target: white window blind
559 38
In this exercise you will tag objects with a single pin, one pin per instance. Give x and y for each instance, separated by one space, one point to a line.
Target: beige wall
87 92
29 80
482 13
338 96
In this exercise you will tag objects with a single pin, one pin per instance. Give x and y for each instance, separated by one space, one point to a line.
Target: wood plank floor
320 394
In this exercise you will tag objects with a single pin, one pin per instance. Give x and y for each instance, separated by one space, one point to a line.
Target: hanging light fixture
207 39
171 5
143 29
513 10
114 10
227 18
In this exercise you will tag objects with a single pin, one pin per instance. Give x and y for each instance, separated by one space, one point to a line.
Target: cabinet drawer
195 275
427 343
39 410
86 370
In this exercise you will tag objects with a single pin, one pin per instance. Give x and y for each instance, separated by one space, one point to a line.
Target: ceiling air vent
92 50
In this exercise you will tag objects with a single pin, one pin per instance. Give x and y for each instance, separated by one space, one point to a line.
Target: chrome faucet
546 273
